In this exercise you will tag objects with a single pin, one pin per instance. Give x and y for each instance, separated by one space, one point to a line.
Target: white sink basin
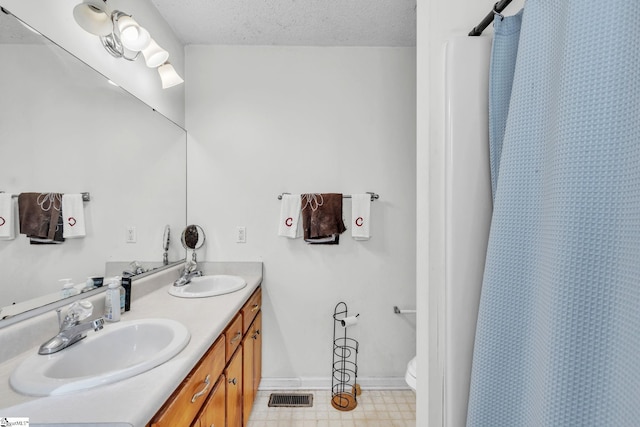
208 286
119 351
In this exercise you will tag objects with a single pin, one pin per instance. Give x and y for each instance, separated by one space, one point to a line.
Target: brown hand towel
39 214
322 218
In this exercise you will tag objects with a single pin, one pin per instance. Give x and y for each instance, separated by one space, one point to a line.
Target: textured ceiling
292 22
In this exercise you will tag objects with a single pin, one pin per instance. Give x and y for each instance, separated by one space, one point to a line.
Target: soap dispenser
68 288
123 294
112 301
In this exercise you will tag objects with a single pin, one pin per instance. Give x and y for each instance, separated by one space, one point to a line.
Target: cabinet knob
255 307
233 381
255 335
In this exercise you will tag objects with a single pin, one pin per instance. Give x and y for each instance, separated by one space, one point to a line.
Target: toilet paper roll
349 321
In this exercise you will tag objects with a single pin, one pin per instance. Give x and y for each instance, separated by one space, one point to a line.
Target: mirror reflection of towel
39 216
73 223
322 218
7 217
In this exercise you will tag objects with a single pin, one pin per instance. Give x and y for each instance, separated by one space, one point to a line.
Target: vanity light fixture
154 55
92 16
169 76
123 37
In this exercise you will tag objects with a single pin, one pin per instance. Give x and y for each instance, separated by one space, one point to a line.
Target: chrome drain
289 400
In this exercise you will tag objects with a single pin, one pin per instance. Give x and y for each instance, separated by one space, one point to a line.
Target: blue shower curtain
558 332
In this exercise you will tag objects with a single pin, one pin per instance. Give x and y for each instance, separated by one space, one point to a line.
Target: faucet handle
190 265
98 324
79 310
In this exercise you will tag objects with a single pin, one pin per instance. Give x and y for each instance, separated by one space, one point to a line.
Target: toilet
410 376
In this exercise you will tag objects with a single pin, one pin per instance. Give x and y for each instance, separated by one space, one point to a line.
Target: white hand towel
290 216
73 213
7 217
361 216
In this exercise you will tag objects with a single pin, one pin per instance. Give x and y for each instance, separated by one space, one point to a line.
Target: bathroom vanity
212 381
221 388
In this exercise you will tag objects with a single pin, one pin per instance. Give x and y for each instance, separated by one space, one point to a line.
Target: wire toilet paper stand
344 386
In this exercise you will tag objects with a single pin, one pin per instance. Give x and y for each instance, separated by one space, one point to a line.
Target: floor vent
290 400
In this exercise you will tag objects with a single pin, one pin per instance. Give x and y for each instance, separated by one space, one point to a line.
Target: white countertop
132 402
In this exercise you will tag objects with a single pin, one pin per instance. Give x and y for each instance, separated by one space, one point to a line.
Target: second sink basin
121 350
209 286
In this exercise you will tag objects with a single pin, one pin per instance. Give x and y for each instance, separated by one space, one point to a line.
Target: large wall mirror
65 129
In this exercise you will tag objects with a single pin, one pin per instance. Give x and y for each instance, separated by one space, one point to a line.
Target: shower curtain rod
497 8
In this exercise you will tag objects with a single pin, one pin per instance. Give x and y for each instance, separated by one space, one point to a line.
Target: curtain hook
495 12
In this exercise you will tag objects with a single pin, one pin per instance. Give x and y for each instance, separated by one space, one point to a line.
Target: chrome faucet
71 328
134 269
189 272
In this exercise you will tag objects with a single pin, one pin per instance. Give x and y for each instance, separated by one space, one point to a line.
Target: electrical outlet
131 234
241 234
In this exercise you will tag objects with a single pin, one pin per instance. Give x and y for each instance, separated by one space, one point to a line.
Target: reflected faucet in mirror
72 329
135 268
193 238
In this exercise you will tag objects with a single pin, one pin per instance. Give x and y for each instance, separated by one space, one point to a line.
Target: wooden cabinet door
247 375
257 352
214 410
252 365
234 390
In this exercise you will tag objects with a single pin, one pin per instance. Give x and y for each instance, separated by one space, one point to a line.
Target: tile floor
376 408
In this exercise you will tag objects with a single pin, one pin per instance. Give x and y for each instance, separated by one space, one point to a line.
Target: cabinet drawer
233 335
251 308
182 407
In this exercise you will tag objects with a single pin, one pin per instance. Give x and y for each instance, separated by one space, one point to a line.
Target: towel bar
396 310
86 197
374 196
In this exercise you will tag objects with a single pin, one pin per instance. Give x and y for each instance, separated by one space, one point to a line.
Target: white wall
54 19
266 120
437 22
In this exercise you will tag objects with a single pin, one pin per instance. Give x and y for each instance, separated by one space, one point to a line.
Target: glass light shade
133 36
92 16
169 76
154 55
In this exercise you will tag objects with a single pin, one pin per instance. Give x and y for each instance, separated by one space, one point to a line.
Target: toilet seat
410 376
